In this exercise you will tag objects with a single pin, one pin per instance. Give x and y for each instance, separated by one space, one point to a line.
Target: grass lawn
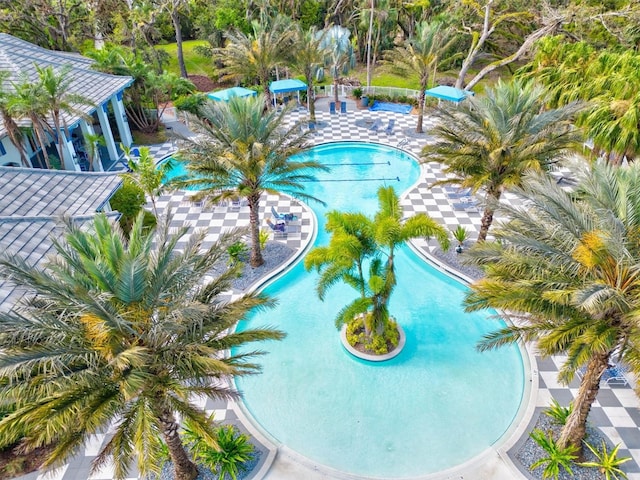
196 64
383 75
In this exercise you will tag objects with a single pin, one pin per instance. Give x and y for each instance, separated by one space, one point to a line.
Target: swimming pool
434 406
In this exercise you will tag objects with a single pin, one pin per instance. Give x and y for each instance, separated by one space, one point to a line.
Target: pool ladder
403 142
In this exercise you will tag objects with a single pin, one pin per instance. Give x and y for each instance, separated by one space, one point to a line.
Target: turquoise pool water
436 405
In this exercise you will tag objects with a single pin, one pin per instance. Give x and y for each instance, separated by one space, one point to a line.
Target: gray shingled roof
31 204
19 56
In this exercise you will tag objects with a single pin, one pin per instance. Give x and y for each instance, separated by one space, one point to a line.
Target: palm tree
29 101
420 55
92 142
567 267
489 142
125 334
59 99
357 239
13 130
611 121
242 152
148 176
391 231
308 57
340 57
257 54
343 259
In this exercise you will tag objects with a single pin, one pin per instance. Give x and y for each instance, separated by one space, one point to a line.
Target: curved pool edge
244 416
495 463
523 417
284 463
276 273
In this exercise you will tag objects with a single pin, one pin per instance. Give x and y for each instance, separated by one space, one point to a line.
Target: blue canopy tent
451 94
226 94
287 86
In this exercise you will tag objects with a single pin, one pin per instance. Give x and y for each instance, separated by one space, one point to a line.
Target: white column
69 153
87 129
106 133
121 119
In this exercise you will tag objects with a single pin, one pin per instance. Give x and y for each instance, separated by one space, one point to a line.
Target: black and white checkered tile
218 219
616 411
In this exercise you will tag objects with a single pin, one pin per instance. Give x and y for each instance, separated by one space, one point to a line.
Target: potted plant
460 234
358 241
357 93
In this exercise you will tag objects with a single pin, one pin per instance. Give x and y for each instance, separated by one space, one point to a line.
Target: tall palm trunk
310 101
184 468
264 81
575 428
493 197
421 108
15 137
254 223
369 33
485 223
175 18
40 136
336 78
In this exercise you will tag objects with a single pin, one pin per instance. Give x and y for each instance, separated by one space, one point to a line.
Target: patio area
616 412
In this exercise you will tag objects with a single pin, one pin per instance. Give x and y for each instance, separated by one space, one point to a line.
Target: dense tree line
70 24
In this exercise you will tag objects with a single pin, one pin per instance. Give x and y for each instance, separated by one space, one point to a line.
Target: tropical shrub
460 234
556 458
237 252
233 450
191 103
128 200
377 344
607 462
263 238
558 413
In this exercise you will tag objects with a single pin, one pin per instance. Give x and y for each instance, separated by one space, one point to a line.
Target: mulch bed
203 83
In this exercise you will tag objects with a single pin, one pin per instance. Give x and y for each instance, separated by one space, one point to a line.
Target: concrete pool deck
616 412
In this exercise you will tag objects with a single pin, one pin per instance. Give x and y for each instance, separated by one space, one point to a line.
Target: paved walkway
616 411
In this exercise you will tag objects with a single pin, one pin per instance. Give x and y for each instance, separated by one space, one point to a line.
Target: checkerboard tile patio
616 411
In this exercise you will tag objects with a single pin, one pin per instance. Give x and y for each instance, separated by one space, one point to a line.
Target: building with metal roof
32 203
103 114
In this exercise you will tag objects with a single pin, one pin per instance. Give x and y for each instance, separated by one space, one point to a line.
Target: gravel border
529 452
205 473
454 260
275 254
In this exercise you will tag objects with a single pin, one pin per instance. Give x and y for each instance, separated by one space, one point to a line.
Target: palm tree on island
358 241
125 334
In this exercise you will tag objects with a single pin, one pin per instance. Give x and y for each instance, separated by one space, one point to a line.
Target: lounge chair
332 107
613 375
287 217
376 125
458 193
469 205
343 107
278 229
389 129
237 203
312 127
